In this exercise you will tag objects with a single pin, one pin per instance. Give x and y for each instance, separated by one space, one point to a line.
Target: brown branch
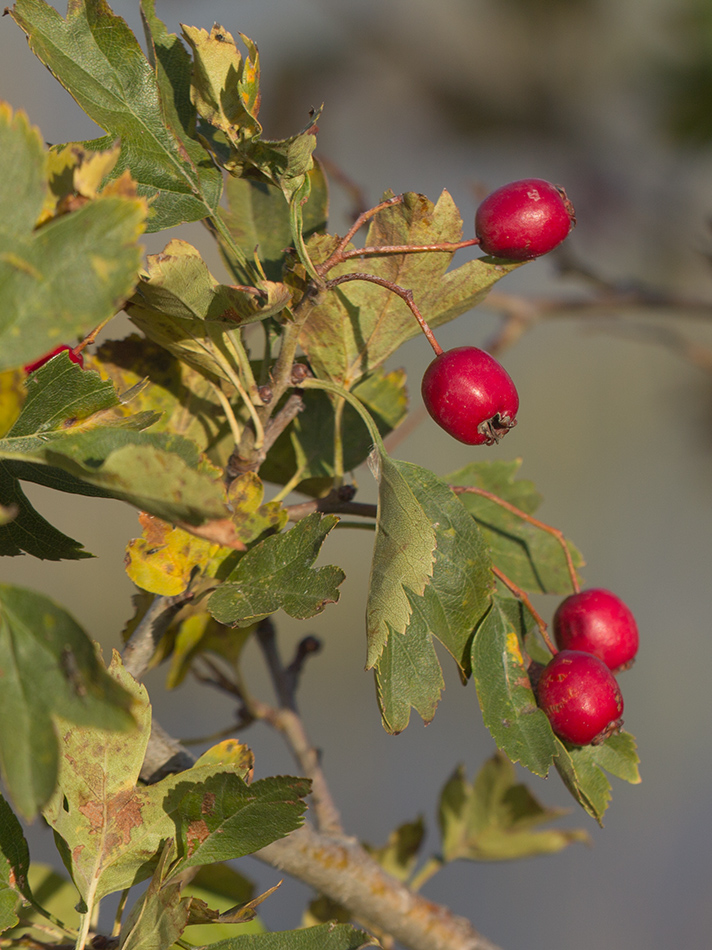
341 869
141 645
337 502
287 721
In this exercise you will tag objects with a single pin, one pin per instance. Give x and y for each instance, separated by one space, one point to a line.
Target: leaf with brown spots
111 831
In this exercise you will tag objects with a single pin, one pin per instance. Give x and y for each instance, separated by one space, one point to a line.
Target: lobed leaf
495 818
61 277
99 62
581 768
111 831
50 668
455 596
278 573
359 325
399 855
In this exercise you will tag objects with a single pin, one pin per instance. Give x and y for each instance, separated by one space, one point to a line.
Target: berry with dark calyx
581 698
598 622
470 395
74 357
524 219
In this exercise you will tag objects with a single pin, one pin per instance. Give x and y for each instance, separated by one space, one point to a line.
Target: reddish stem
405 295
555 532
445 246
524 597
337 256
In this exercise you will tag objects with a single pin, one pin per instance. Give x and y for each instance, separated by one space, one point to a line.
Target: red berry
580 697
74 357
597 622
470 395
524 219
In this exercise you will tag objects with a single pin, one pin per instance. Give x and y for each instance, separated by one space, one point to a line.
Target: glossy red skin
470 395
524 219
74 357
598 622
580 697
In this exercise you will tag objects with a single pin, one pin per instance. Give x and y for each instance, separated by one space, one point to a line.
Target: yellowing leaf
60 279
233 753
225 87
163 560
250 516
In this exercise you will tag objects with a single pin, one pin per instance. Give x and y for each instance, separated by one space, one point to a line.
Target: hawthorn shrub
227 398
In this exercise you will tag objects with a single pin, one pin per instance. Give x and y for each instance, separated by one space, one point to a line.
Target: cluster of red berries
466 391
597 638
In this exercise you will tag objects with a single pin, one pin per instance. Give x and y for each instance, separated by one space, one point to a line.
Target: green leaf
408 673
14 866
50 668
359 325
494 818
530 556
184 398
324 937
278 573
303 446
111 831
399 855
28 532
68 423
509 709
60 279
454 600
221 888
55 895
159 916
99 62
182 307
257 218
403 554
581 768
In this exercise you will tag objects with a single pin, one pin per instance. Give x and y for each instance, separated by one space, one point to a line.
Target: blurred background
614 101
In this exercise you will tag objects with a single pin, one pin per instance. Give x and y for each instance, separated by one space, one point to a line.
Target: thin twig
287 721
362 219
336 502
555 532
524 597
446 247
141 645
405 295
